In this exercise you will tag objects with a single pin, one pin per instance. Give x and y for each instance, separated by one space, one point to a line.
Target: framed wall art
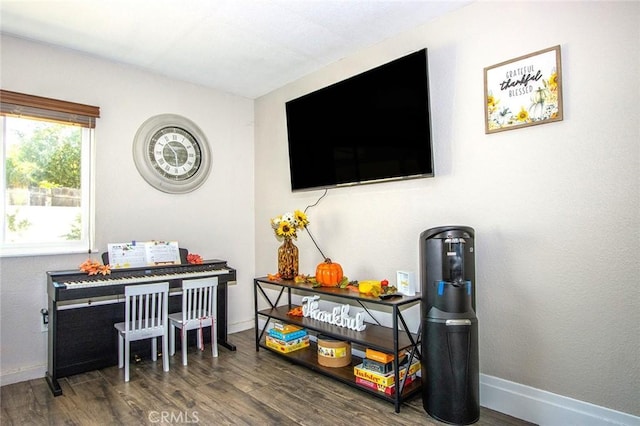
524 91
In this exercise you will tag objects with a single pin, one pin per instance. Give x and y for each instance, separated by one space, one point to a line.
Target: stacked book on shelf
287 338
376 371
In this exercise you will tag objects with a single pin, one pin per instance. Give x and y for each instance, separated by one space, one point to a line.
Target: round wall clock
172 153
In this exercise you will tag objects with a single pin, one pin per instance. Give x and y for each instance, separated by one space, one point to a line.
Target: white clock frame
146 167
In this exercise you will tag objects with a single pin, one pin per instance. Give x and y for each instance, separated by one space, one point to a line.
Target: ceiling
244 47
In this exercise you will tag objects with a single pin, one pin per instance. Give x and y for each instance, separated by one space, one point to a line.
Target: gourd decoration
329 274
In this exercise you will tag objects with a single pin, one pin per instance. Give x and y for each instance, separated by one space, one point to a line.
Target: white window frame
87 179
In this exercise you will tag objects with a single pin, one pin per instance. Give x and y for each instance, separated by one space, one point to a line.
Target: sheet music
162 253
127 255
140 254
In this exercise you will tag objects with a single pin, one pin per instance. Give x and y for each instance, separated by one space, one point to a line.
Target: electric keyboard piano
83 309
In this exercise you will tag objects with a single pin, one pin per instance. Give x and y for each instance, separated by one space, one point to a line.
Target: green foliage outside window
50 157
42 170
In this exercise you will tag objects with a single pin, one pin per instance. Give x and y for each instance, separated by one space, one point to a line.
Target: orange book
380 356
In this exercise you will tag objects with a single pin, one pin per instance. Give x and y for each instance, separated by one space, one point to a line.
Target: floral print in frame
524 91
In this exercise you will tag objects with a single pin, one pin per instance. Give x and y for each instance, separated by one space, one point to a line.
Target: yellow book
384 379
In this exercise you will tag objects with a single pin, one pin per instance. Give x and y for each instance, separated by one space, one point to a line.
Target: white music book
146 253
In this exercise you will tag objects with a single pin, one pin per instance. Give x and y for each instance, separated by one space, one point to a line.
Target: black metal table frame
397 319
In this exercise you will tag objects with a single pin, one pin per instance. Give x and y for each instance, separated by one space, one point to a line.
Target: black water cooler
450 368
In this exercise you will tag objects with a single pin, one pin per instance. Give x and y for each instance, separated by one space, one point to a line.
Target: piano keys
83 309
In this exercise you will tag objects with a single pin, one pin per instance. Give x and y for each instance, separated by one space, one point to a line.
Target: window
45 175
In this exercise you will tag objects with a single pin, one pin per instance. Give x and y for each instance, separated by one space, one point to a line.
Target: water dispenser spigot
455 259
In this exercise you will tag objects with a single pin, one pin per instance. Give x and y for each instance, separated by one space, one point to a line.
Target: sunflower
492 102
523 115
553 81
286 230
288 224
301 219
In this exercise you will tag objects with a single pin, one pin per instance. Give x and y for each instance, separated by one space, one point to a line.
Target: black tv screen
372 127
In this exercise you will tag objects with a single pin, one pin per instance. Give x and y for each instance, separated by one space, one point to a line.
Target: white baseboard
545 408
240 326
23 374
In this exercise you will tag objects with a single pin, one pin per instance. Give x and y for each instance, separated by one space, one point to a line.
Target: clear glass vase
288 260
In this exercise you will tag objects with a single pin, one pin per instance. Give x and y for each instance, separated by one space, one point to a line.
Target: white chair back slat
197 305
142 316
190 298
209 300
152 318
201 308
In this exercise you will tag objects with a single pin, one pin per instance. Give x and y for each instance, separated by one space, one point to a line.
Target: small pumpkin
328 273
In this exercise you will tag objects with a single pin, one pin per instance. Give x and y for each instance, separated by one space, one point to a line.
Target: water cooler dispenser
450 368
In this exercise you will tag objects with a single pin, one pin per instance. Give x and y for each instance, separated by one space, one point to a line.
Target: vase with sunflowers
286 229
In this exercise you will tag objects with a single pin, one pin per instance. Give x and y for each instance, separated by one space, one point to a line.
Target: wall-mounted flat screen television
369 128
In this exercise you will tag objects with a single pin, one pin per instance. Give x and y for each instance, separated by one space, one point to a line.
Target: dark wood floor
244 387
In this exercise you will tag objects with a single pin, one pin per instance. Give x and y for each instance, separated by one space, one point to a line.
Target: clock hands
175 154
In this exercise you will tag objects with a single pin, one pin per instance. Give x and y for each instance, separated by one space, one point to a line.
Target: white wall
555 207
215 221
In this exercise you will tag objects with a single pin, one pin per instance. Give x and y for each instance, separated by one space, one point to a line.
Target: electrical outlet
44 320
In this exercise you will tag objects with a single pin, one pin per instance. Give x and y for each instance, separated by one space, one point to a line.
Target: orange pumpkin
329 274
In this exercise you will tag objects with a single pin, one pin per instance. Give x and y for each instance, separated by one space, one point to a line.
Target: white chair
146 314
199 301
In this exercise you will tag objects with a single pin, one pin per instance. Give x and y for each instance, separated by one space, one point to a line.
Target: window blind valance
29 106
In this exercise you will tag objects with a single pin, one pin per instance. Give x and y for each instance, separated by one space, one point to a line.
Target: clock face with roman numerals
175 153
172 154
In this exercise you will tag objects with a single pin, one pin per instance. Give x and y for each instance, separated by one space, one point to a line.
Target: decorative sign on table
147 253
339 315
524 91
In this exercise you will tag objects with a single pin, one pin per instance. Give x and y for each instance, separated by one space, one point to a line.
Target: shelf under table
308 357
373 336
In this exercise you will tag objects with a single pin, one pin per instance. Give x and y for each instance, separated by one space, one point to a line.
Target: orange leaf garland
194 259
93 267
